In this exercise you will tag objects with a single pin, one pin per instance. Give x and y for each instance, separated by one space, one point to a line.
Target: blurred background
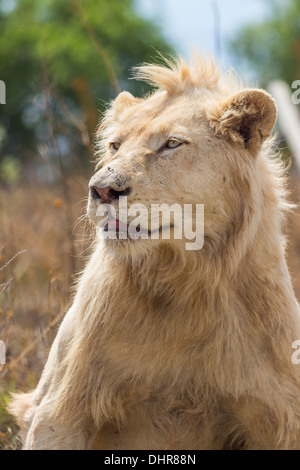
61 62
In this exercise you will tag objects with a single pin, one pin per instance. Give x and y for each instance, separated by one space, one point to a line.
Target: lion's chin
130 250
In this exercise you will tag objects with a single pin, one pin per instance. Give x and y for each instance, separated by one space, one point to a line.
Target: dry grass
43 242
44 238
40 251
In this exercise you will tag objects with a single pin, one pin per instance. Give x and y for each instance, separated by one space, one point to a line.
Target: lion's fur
165 348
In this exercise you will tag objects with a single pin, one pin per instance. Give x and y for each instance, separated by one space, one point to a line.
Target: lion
166 347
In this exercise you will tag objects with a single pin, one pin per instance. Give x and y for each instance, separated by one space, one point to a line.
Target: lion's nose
108 194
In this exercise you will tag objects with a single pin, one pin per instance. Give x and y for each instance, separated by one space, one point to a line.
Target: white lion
165 348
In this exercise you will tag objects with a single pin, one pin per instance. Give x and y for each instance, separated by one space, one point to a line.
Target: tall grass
39 256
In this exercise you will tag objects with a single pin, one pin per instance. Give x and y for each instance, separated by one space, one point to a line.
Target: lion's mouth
131 231
118 226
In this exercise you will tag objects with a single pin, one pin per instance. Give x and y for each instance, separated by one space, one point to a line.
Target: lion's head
195 140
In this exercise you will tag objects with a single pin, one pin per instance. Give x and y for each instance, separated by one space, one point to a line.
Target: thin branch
98 46
58 155
217 28
8 288
12 364
81 126
4 285
11 259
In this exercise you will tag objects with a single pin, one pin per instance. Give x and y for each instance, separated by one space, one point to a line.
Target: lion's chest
155 390
156 425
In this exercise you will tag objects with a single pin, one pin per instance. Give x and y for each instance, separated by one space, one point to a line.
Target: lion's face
165 150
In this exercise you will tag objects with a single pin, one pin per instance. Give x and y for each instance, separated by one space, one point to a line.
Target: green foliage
45 44
10 169
8 430
272 47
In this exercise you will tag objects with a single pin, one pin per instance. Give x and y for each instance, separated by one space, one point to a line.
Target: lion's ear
123 101
247 117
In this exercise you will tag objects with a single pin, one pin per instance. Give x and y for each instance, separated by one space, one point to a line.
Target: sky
191 22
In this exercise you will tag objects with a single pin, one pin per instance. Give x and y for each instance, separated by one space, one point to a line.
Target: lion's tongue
115 225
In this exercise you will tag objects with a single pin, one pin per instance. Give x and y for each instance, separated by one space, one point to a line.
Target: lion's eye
172 144
115 145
